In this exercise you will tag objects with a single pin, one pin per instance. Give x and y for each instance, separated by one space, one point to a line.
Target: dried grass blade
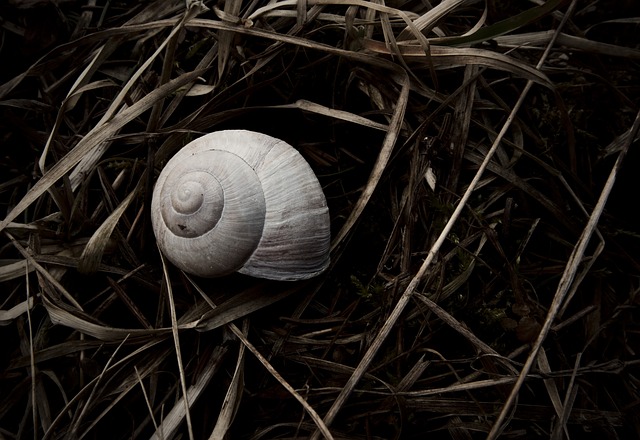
383 9
580 43
322 427
409 291
168 63
7 316
534 39
414 374
298 41
312 107
381 162
569 400
480 345
225 38
567 279
91 158
461 123
119 99
331 366
505 26
129 303
510 176
158 357
96 136
42 272
232 398
92 253
463 386
67 105
8 86
120 389
101 55
172 421
150 13
242 304
56 351
374 178
447 57
146 398
452 286
83 323
301 12
427 21
361 3
204 63
236 331
45 412
32 365
550 385
176 342
79 415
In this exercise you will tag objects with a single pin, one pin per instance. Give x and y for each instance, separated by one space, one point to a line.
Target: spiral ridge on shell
243 201
196 203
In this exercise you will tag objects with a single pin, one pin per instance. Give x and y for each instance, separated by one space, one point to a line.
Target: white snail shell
237 200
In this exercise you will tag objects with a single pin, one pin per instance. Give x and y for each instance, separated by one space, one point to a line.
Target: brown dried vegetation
485 270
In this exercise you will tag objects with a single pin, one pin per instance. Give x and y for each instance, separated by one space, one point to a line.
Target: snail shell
237 200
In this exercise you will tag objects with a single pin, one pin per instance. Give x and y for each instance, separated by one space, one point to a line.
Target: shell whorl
195 204
242 201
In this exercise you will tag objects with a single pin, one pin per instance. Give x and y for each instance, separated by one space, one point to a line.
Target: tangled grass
476 158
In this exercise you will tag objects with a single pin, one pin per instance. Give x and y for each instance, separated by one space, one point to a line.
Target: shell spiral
237 200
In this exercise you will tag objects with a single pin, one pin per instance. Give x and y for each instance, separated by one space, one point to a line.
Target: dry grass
477 160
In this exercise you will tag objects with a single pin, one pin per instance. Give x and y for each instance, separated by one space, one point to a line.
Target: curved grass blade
95 137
